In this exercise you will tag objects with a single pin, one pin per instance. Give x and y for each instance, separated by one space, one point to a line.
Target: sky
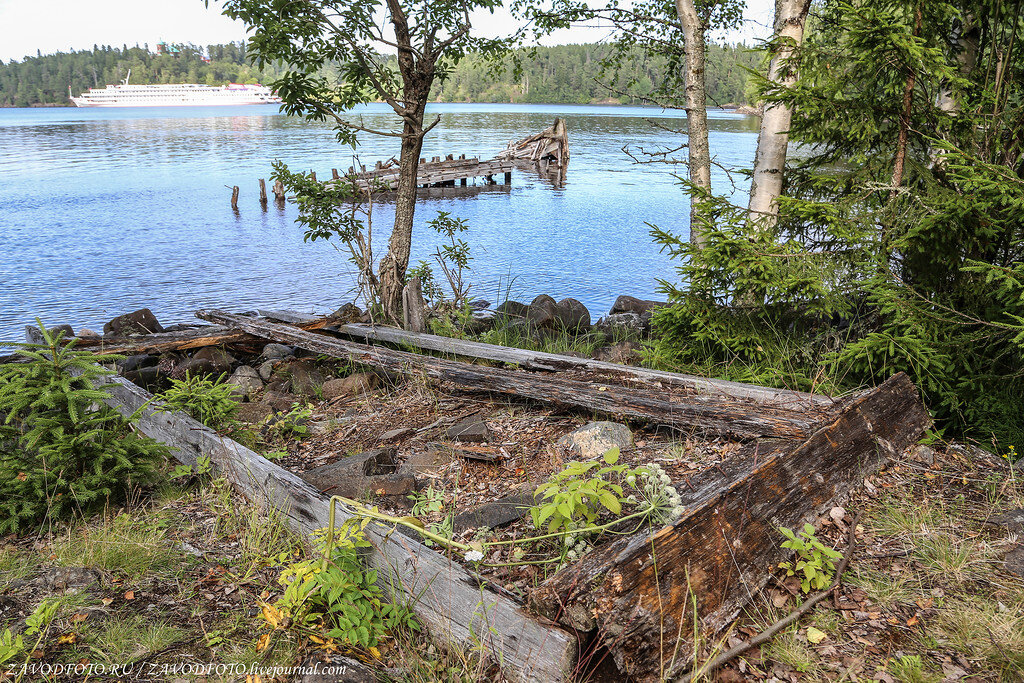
62 25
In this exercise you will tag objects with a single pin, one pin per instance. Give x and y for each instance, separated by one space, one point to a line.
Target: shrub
212 402
62 451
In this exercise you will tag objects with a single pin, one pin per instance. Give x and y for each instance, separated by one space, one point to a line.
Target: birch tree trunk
696 112
773 139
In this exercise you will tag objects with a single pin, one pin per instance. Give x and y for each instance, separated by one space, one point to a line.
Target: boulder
353 385
472 429
275 351
630 304
1014 561
266 370
509 311
247 380
479 305
348 313
140 360
594 439
623 353
480 321
209 360
371 472
251 413
149 378
543 312
623 326
137 322
573 315
279 401
495 514
86 332
427 462
306 378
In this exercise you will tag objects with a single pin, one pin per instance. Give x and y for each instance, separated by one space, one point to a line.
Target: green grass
987 630
15 565
129 544
119 640
911 669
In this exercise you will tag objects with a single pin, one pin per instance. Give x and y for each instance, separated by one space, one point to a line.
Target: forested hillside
564 73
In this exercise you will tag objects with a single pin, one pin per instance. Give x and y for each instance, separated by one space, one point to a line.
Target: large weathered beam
680 409
456 607
638 593
539 360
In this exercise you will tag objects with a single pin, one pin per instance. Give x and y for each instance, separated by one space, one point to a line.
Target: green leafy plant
36 624
62 449
575 496
428 501
333 594
203 466
294 424
211 401
814 562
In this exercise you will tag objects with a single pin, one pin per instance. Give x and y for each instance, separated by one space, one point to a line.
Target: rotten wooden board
685 411
538 360
456 607
638 592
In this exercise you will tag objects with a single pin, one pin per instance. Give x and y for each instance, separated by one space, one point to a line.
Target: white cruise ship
174 95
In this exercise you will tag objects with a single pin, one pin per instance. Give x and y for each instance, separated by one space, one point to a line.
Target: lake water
104 211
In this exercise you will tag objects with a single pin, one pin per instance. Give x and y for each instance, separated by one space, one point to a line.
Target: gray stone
924 454
147 378
210 360
337 669
471 429
137 322
623 353
594 439
1013 520
279 401
623 325
543 312
427 462
306 378
509 311
370 473
353 385
267 370
247 380
573 315
86 332
347 313
140 360
495 514
396 434
274 351
1014 561
251 413
630 304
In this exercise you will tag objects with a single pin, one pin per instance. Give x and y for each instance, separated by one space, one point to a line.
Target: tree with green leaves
900 236
428 37
62 450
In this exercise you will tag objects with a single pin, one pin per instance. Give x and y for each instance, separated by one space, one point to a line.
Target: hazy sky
62 25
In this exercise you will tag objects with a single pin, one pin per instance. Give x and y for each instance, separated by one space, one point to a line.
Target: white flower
474 556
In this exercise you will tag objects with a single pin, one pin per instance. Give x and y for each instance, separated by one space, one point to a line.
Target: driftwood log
638 593
688 411
551 145
456 607
539 360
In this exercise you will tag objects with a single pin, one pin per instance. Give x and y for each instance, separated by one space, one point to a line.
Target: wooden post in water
234 197
279 192
334 173
312 174
508 177
263 193
463 182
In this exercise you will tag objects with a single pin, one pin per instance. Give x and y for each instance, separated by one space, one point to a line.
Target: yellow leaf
375 652
272 615
263 642
69 638
815 636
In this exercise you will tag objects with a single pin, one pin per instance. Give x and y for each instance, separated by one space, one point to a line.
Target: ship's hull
80 102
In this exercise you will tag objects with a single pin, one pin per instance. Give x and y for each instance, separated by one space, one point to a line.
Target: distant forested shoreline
562 74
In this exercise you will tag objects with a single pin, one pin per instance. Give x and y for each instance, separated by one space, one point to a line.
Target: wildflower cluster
655 488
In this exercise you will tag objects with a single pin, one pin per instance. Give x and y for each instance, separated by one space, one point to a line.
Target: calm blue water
103 211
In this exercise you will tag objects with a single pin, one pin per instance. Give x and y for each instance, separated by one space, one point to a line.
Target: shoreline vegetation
562 74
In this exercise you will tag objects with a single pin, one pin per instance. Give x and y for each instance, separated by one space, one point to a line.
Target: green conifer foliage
62 451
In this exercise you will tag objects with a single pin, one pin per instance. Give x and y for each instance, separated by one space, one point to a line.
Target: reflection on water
104 211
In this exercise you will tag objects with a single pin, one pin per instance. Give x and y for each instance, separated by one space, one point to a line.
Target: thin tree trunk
904 135
395 262
773 139
696 112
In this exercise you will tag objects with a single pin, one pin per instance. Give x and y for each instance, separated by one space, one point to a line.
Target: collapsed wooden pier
437 172
800 454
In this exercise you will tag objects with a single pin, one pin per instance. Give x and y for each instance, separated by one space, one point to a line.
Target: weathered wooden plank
456 607
681 409
638 592
538 360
